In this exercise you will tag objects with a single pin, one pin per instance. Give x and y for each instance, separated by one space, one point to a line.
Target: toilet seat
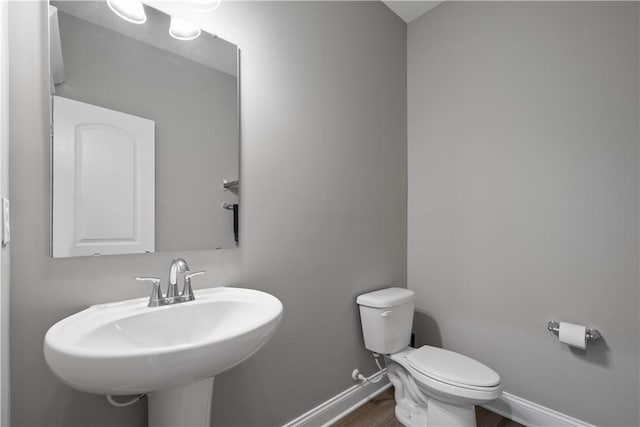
443 379
452 368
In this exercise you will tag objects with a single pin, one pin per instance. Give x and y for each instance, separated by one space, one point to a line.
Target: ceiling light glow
129 10
183 30
203 5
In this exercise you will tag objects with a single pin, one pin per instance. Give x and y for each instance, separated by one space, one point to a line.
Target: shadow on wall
426 330
596 353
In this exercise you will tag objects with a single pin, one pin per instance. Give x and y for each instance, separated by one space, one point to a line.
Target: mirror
145 130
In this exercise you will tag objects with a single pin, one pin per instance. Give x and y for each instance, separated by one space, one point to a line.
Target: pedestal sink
171 352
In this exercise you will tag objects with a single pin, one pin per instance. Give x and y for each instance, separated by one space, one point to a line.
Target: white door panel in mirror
106 162
103 181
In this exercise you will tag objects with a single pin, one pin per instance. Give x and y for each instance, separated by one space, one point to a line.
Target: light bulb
129 10
202 5
183 30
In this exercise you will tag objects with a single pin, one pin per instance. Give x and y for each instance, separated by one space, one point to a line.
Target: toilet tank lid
388 297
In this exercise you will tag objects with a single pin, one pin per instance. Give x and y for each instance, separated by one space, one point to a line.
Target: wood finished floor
379 412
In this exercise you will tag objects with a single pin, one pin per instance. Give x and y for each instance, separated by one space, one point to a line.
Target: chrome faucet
172 296
178 265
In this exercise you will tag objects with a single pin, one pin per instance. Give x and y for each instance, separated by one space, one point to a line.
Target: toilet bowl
445 387
433 386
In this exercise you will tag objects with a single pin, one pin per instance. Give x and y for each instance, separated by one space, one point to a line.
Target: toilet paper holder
591 334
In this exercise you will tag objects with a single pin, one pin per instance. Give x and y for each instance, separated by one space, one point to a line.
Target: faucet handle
187 292
156 297
188 276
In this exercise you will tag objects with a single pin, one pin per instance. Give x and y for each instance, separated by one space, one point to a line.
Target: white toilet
433 386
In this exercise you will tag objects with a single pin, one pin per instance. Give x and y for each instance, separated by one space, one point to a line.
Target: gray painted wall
323 194
523 194
195 109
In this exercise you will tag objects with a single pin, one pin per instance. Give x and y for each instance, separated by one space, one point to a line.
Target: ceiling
412 9
207 49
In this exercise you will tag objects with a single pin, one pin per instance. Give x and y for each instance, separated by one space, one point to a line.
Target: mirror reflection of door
103 182
188 88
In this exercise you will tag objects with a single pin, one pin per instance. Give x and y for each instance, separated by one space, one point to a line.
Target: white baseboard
531 414
508 405
341 404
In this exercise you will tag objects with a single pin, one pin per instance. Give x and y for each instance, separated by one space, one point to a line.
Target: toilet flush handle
386 313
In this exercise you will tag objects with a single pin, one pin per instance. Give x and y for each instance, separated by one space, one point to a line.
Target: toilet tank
387 317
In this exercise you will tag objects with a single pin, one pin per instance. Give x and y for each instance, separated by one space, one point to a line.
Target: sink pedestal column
185 406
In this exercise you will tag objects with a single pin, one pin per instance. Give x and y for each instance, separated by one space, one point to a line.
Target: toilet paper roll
574 335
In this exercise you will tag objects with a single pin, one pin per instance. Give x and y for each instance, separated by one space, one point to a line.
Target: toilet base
411 415
435 414
416 408
446 414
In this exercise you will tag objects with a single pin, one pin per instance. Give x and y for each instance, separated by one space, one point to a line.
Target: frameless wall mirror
145 132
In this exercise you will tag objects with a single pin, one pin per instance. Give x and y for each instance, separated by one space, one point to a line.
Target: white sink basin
129 348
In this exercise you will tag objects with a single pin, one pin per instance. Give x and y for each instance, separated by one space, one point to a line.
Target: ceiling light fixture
183 30
202 5
129 10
